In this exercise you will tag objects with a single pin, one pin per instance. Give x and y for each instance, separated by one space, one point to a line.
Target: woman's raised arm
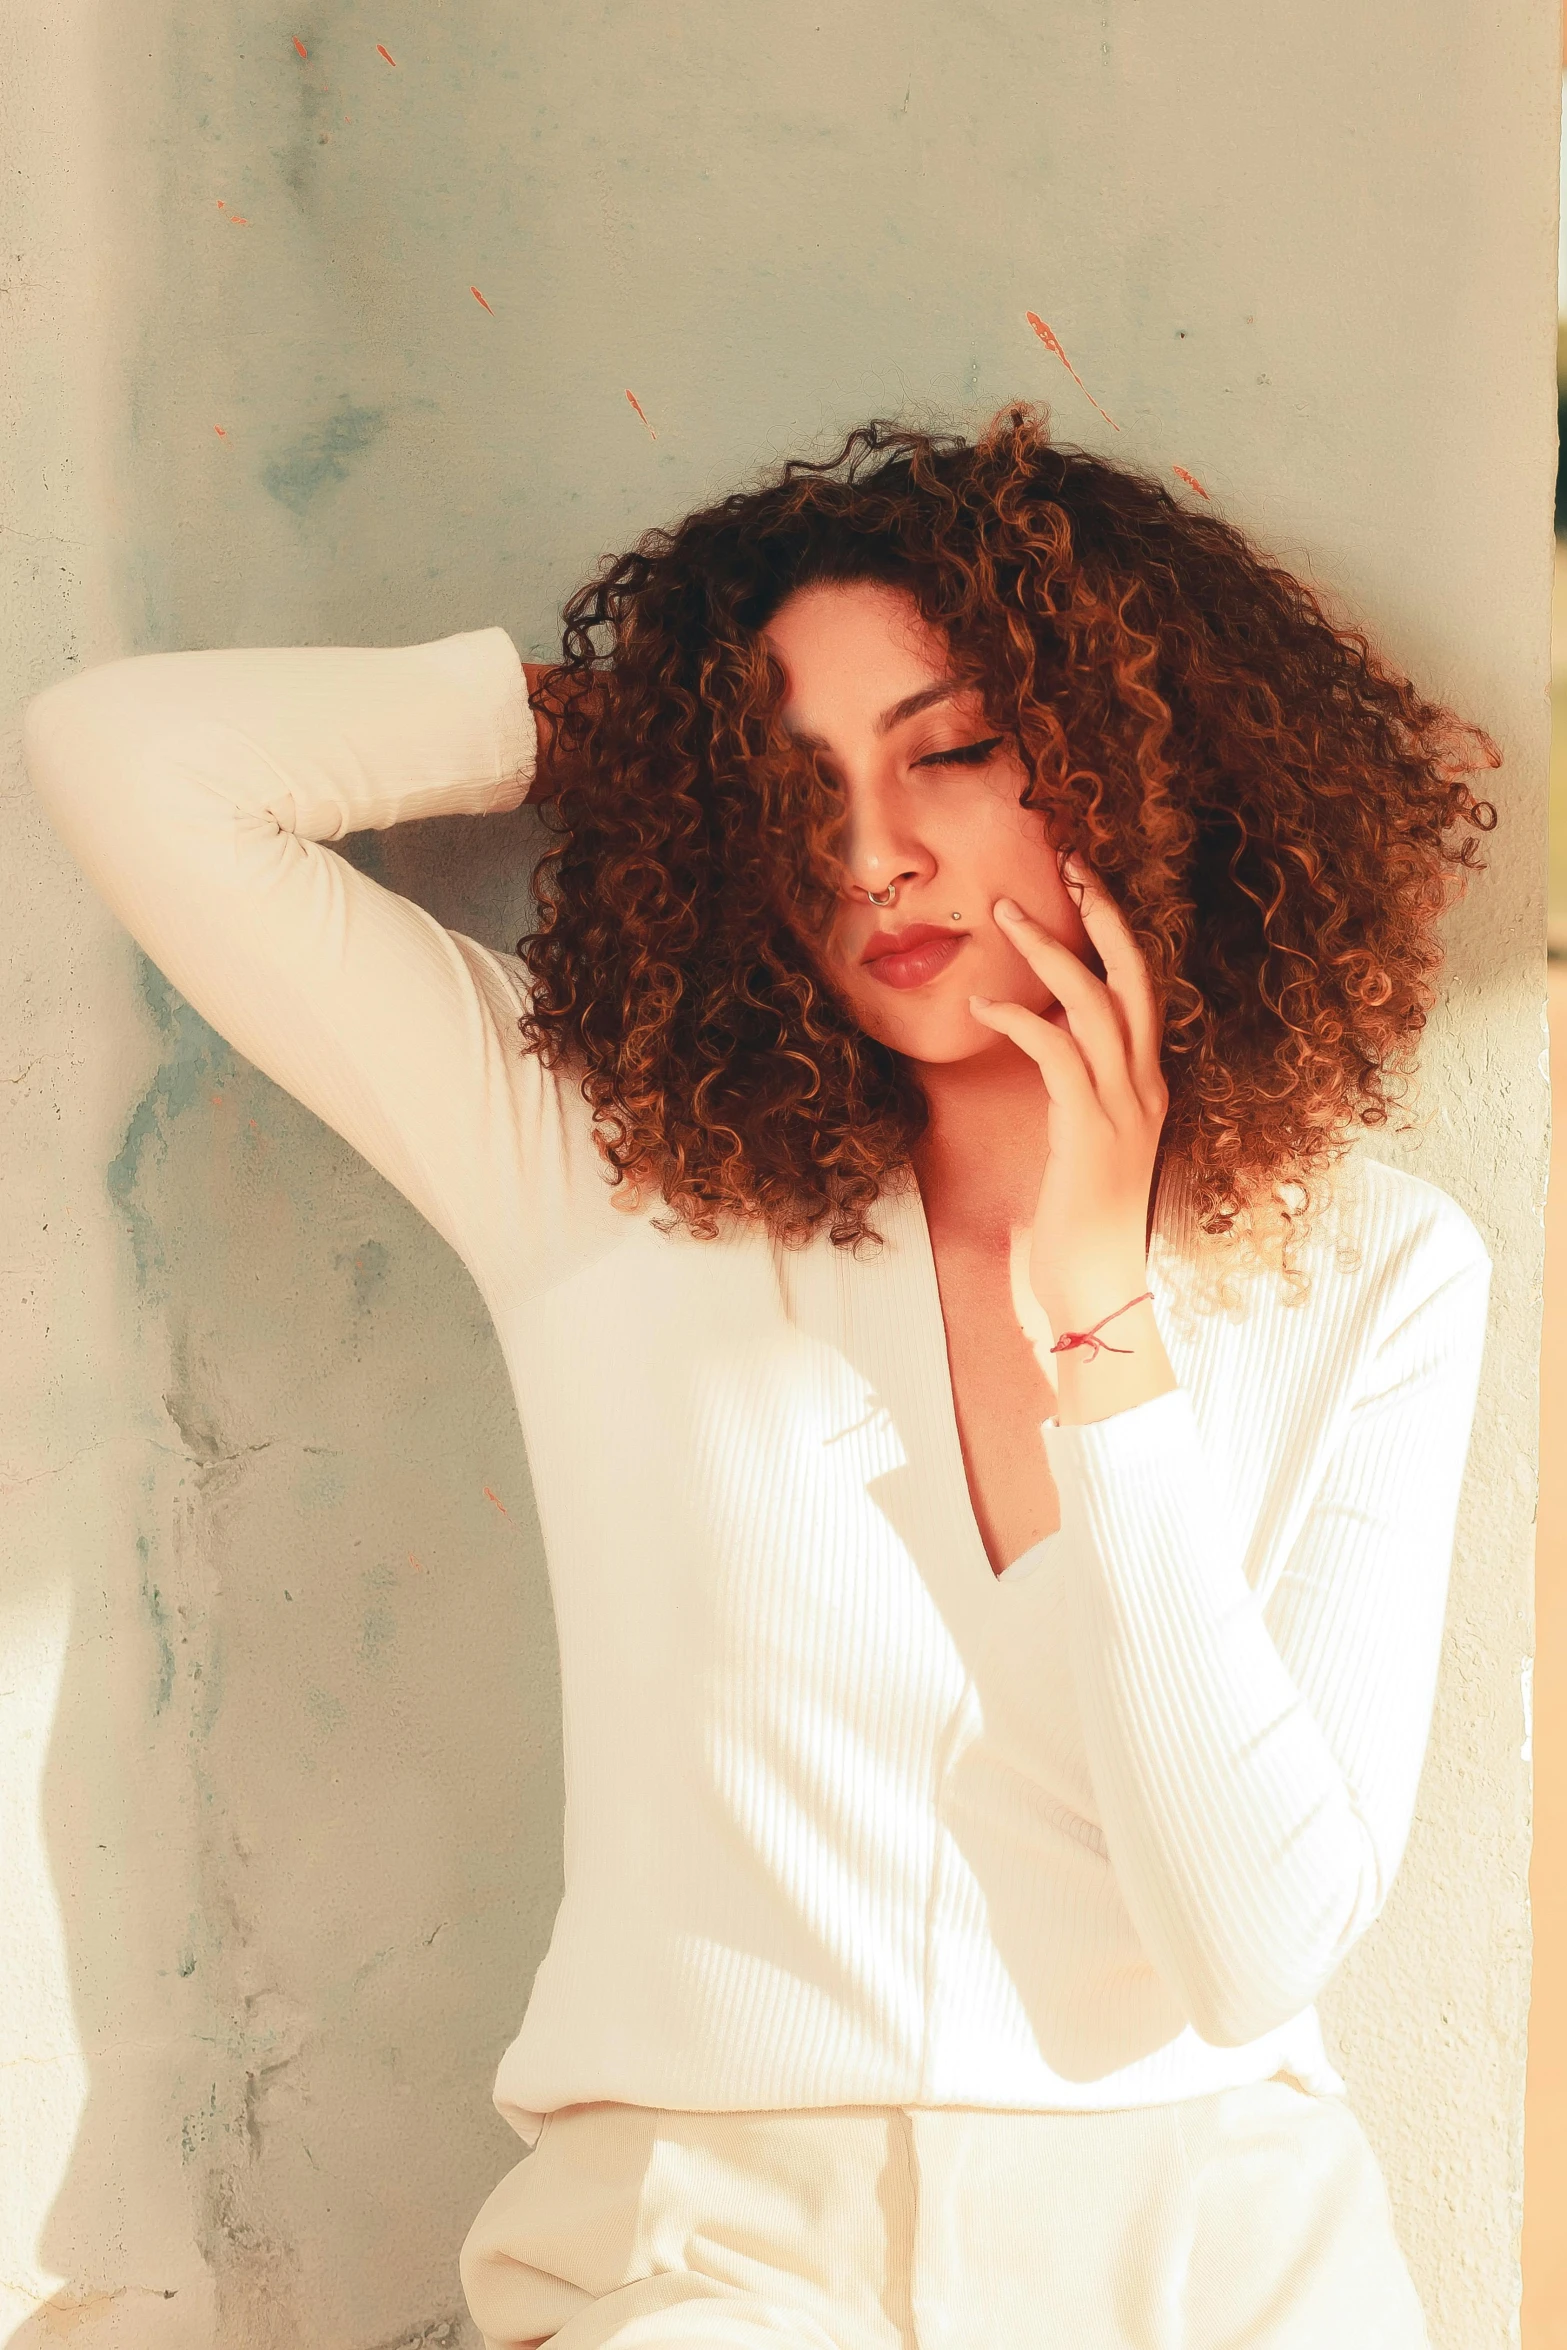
198 791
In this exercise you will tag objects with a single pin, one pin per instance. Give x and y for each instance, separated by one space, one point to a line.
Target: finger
1126 967
1051 1049
1090 1009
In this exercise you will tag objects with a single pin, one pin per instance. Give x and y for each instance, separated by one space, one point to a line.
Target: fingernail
1009 909
979 1003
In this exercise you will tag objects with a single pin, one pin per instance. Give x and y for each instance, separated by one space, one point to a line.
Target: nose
880 851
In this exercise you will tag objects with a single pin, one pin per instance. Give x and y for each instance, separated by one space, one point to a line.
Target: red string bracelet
1089 1338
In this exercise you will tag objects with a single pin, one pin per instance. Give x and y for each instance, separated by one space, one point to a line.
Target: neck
984 1150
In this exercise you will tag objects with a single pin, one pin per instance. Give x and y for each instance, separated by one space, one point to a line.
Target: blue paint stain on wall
377 1631
197 2128
195 1060
157 1616
209 1697
319 1481
324 454
366 1265
329 1711
378 1625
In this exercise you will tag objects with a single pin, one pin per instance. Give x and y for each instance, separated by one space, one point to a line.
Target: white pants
1251 2219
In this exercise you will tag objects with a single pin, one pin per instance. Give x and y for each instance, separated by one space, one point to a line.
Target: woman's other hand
533 675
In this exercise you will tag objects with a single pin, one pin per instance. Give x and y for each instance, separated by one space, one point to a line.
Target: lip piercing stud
956 917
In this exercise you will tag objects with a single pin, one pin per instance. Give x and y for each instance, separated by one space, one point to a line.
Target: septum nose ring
889 897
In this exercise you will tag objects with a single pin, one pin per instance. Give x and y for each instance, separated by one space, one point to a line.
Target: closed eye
967 755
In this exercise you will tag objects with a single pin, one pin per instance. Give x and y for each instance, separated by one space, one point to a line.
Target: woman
997 1456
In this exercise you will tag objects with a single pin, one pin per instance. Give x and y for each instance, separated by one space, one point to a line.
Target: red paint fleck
416 1564
220 203
217 1097
386 53
1191 480
479 298
254 1128
500 1505
637 405
221 431
1051 344
1046 336
238 220
300 46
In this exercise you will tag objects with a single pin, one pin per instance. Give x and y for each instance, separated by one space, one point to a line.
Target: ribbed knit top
849 1819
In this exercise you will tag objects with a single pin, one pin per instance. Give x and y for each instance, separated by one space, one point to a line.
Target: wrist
1091 1293
1121 1364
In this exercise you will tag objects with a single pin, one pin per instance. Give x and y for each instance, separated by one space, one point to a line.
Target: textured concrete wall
278 1696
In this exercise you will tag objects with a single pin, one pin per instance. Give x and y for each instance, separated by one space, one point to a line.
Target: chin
935 1033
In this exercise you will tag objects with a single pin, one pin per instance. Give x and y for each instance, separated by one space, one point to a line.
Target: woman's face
932 801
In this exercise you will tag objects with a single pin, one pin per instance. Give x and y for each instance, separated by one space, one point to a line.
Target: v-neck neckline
911 1204
936 1366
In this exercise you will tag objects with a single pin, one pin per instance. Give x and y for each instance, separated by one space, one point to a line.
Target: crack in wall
256 2035
255 2271
437 2333
61 2313
196 1403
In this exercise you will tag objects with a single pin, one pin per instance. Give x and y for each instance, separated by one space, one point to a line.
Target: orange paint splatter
500 1505
1191 481
1051 344
479 298
238 220
637 405
254 1128
217 1097
220 203
300 46
416 1564
386 53
221 431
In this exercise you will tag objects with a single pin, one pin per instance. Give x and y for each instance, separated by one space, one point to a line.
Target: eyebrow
910 707
912 704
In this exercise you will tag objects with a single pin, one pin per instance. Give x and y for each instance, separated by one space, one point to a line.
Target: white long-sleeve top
849 1819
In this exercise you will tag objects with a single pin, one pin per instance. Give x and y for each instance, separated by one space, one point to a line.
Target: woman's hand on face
1097 1051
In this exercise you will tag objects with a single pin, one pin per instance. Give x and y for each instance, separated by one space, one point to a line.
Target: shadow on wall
322 1712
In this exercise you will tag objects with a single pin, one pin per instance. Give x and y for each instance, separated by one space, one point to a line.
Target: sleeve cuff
516 728
1161 1431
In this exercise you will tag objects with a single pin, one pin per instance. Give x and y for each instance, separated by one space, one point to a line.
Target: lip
909 958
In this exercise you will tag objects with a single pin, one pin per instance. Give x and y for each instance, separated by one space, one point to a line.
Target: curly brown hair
1280 814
